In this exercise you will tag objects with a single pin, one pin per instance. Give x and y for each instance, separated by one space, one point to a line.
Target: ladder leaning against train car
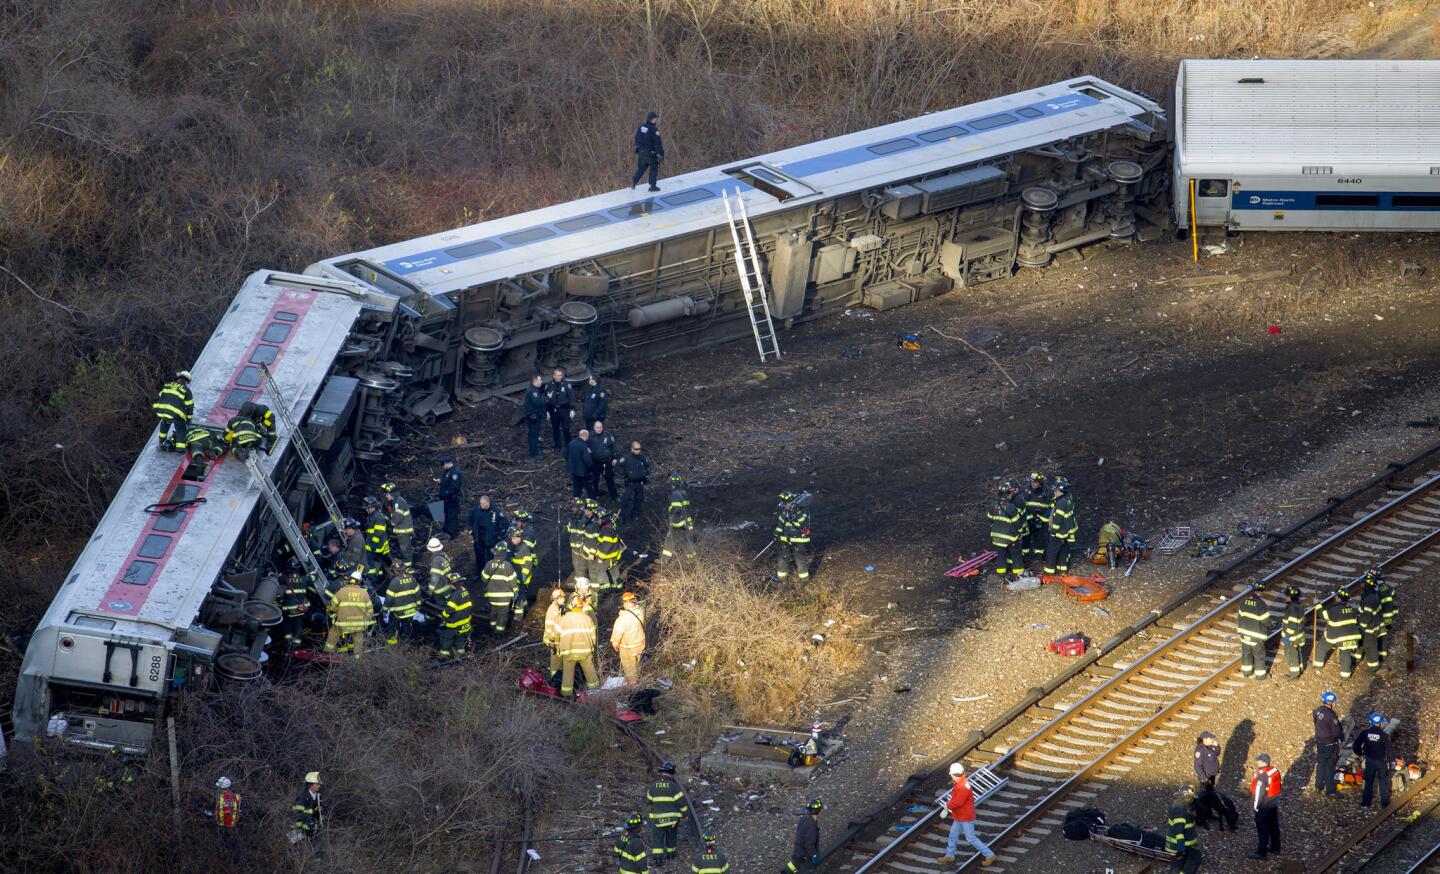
752 280
291 529
297 439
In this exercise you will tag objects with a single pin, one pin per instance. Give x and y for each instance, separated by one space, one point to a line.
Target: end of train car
1307 145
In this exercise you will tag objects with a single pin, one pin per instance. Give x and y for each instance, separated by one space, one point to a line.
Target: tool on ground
1173 540
1093 588
1070 645
1210 546
969 567
910 342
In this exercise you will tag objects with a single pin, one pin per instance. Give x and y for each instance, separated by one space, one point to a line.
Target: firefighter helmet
223 783
1293 593
667 767
815 806
184 374
634 821
388 488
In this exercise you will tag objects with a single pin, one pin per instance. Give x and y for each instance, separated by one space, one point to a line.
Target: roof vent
1317 170
1435 171
1252 80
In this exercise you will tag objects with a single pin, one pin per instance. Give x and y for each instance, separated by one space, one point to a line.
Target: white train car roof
619 220
144 574
1286 116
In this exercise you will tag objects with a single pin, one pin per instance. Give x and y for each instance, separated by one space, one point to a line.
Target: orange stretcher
1094 588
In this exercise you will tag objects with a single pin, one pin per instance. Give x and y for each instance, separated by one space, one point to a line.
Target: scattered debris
1023 583
1002 446
860 314
1101 610
852 352
1216 248
969 699
973 348
910 342
1408 269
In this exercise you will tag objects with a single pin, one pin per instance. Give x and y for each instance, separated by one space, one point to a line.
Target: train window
237 398
1346 201
139 572
944 133
168 523
1213 187
275 332
641 207
1092 92
762 173
1028 112
1416 201
529 235
572 225
694 195
80 620
183 493
154 546
893 146
999 119
284 316
249 377
264 354
470 250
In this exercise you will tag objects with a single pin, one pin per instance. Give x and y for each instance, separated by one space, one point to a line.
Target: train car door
1212 201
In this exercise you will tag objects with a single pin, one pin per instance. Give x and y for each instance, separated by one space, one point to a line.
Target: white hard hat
582 582
312 777
184 374
357 575
222 783
957 769
434 545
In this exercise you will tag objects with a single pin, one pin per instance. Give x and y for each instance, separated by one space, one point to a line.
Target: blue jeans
956 827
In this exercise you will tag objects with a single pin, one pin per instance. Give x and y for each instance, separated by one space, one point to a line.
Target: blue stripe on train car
1348 201
799 169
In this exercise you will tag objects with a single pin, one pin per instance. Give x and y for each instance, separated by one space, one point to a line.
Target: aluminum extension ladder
297 439
983 783
291 529
752 280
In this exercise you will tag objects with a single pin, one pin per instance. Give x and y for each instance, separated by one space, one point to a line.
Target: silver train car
1307 145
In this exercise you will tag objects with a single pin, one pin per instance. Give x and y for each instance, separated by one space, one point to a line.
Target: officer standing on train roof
649 150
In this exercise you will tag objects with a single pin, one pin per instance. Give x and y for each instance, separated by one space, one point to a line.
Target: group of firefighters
1350 629
1034 523
252 427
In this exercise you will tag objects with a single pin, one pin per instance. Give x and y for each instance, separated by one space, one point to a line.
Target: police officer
1372 620
1004 519
792 536
500 587
535 409
806 854
596 403
487 528
1038 504
710 860
402 601
402 523
1207 760
450 492
1063 528
630 848
560 403
1253 625
174 406
1328 734
1342 632
667 808
679 536
649 150
580 464
604 452
1180 834
1373 745
1292 632
635 469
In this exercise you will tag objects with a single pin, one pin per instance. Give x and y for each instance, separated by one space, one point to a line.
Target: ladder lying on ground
291 529
752 280
282 409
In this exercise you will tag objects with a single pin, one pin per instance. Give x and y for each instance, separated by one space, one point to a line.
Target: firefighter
527 531
227 816
1292 632
792 538
560 404
352 613
264 419
1253 626
710 860
242 435
305 812
402 601
1063 529
628 636
454 631
551 635
377 532
806 854
295 603
1342 632
500 581
635 467
589 598
1004 519
174 406
575 531
667 808
680 536
1373 745
604 565
577 648
1372 622
201 443
450 492
1180 834
590 542
630 848
520 555
440 568
1389 613
1037 507
402 521
1328 734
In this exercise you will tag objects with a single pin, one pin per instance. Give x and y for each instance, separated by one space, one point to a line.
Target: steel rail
1385 478
1352 843
1431 858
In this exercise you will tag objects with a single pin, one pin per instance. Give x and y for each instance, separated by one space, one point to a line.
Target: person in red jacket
961 807
1265 798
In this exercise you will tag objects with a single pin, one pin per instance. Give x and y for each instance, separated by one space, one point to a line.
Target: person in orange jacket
961 808
1265 798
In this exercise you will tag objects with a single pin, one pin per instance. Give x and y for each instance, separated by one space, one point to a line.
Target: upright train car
1308 145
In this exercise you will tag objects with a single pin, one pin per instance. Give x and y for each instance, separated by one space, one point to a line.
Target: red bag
534 681
1070 645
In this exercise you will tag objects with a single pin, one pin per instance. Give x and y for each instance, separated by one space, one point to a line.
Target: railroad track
1142 695
506 858
1402 838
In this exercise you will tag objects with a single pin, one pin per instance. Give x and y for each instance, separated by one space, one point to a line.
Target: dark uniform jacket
488 526
596 405
635 467
602 448
1004 519
1294 621
667 803
1253 623
1328 729
306 810
450 485
1373 744
536 404
807 838
631 851
560 398
647 140
578 458
1179 829
1207 761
